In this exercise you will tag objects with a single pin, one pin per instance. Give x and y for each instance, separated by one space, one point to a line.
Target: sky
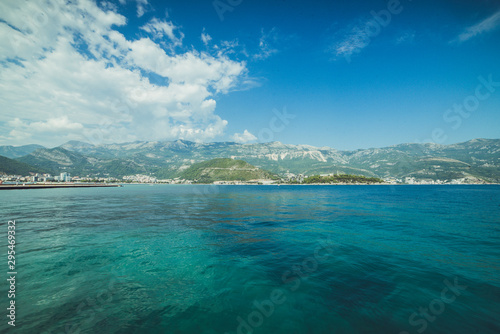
346 75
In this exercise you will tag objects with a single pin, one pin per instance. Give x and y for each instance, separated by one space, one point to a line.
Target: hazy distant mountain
18 151
478 157
57 160
74 145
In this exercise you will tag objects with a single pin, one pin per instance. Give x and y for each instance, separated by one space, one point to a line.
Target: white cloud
244 137
66 72
488 24
206 38
267 44
142 7
55 125
160 29
353 41
45 129
233 48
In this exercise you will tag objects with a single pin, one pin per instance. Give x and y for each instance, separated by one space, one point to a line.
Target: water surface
261 259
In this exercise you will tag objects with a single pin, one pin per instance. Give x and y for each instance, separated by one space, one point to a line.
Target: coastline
316 184
118 185
52 186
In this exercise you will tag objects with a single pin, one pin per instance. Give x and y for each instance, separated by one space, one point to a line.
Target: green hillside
13 167
57 159
225 170
342 178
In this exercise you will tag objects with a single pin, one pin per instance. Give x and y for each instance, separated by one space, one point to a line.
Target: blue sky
345 75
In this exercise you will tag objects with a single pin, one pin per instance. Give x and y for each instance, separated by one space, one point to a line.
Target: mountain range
479 158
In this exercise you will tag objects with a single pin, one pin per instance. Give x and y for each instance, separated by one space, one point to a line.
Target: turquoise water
261 259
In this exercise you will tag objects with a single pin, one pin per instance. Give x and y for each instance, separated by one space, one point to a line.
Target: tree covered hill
342 179
13 167
225 170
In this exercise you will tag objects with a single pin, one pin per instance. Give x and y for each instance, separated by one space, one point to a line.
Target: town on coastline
288 178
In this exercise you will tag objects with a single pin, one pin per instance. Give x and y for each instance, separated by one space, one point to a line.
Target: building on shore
64 177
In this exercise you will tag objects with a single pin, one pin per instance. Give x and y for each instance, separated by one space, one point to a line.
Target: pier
55 185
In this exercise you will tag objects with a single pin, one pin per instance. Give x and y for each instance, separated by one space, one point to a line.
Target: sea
208 259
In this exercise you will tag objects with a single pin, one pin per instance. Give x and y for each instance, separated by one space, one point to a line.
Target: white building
64 177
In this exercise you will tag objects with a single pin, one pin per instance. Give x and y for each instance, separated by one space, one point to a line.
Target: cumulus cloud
489 24
244 137
67 72
26 130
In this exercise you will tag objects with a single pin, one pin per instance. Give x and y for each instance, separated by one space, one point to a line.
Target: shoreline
317 184
52 186
118 185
